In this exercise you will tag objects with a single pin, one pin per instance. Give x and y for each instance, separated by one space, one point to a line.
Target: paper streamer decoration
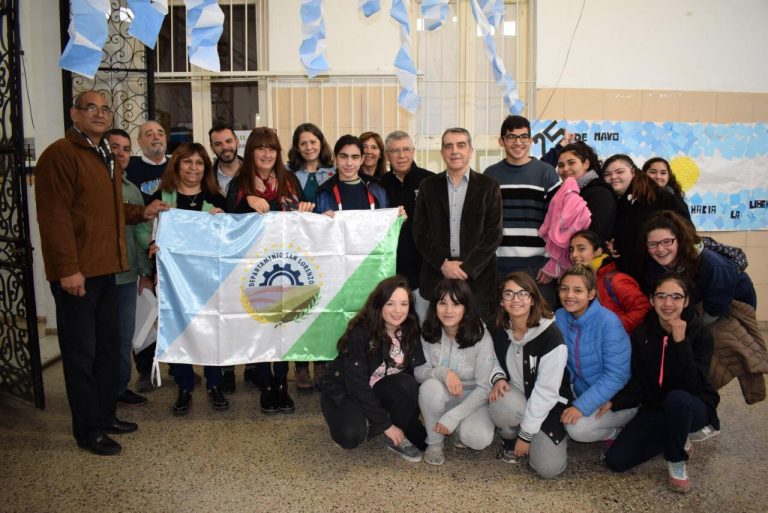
369 7
205 24
148 16
406 69
490 13
434 13
312 49
88 32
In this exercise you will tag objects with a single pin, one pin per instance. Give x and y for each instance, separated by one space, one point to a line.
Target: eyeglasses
400 151
662 296
523 138
509 295
664 243
92 108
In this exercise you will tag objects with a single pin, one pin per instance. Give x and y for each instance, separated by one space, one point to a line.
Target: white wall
355 43
690 45
39 26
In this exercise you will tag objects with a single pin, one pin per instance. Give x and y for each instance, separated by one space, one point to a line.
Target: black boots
274 397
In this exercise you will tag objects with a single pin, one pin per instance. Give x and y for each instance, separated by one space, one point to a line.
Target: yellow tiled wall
681 106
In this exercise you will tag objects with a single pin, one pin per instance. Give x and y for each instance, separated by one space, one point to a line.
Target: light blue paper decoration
148 16
490 13
205 24
312 49
88 31
434 13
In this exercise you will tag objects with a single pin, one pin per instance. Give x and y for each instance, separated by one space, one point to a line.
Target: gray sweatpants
475 431
544 456
591 429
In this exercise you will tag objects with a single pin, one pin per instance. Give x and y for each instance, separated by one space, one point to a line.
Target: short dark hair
456 130
220 127
471 327
513 122
347 140
539 305
116 131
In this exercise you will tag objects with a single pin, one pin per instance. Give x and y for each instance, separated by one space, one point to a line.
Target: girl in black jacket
369 389
671 356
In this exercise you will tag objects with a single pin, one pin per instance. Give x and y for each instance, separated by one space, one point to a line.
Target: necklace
193 201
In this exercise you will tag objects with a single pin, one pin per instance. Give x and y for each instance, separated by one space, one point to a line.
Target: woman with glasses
671 357
672 245
374 163
638 197
598 358
456 378
264 185
529 397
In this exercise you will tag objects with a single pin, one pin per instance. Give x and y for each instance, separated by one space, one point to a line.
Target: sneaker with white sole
405 450
704 433
506 455
434 455
678 477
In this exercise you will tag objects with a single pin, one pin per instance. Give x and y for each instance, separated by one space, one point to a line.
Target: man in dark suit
457 223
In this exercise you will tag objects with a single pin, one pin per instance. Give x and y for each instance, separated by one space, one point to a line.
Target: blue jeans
126 324
653 432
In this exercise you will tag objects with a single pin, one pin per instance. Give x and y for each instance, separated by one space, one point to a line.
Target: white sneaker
678 477
434 455
704 433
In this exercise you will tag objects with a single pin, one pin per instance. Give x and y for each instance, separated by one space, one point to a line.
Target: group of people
590 334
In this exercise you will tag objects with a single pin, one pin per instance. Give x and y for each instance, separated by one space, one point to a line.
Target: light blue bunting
434 13
88 31
406 68
148 16
369 7
312 49
205 24
490 13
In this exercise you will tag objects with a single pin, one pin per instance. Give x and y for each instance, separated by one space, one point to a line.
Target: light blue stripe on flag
198 265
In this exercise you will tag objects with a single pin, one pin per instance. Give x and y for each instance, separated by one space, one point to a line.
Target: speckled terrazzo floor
241 460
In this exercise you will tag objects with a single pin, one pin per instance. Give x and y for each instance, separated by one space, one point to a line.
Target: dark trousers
398 394
90 353
265 371
655 432
184 376
144 359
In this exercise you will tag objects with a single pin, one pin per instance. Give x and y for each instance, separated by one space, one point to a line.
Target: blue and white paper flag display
148 16
88 31
312 49
369 7
434 13
490 13
406 68
205 24
239 288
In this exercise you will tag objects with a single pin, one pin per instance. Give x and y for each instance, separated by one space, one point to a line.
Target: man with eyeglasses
527 185
457 224
80 213
402 184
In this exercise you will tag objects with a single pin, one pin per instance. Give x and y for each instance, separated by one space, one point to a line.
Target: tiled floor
240 460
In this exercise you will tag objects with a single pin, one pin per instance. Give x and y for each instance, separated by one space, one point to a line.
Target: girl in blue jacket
598 358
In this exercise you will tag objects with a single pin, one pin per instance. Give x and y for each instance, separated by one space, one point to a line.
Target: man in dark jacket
81 216
457 223
401 184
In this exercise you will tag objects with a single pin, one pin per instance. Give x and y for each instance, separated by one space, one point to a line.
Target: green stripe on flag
319 340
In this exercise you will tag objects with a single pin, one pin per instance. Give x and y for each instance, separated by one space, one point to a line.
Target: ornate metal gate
125 76
20 369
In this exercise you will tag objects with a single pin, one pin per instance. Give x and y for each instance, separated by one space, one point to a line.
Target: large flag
246 288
